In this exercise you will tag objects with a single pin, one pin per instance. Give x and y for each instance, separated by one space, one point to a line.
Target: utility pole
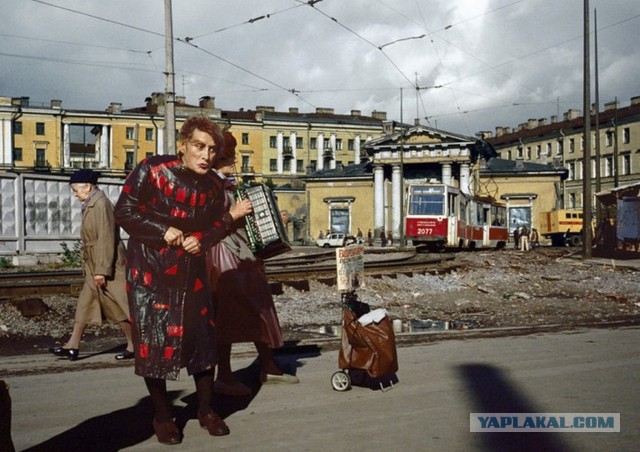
402 216
614 166
597 116
170 91
586 179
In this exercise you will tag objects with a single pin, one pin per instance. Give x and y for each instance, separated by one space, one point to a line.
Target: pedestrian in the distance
103 295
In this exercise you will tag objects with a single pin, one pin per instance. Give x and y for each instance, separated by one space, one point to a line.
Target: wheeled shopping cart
365 350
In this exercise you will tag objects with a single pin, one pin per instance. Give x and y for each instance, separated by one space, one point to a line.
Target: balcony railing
287 153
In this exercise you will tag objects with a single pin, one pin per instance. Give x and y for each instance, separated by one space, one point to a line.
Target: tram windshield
426 201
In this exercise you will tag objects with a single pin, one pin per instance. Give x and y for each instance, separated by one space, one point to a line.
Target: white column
446 173
160 141
292 144
280 144
332 142
396 193
356 148
320 147
66 147
104 148
378 199
465 179
6 142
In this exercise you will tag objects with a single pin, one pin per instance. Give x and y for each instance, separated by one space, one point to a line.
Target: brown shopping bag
371 348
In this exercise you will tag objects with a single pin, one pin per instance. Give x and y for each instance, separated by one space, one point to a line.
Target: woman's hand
192 245
100 280
241 209
173 236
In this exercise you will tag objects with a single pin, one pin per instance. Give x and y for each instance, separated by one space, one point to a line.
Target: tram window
431 204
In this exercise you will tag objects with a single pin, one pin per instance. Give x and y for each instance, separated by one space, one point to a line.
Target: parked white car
333 239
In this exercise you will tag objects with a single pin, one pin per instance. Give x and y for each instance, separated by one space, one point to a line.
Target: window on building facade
582 143
593 168
273 165
148 154
338 144
579 170
129 133
520 153
572 145
608 166
626 164
549 151
351 144
273 142
17 154
41 157
313 165
39 128
538 151
299 143
17 128
128 162
528 154
608 138
245 164
313 143
286 165
340 220
560 147
571 166
245 138
300 166
572 201
626 135
148 134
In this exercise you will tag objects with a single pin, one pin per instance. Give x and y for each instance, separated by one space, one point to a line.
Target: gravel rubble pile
505 288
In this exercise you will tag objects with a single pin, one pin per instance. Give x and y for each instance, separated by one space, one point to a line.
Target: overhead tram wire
249 21
93 16
56 41
310 3
295 92
185 41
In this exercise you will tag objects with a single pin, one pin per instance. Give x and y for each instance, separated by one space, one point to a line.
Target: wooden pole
170 91
586 179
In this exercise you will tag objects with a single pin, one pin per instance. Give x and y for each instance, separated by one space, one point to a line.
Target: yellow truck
563 227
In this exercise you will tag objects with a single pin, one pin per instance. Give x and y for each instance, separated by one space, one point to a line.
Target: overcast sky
459 65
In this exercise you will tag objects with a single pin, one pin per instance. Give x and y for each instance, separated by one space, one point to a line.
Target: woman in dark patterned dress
172 212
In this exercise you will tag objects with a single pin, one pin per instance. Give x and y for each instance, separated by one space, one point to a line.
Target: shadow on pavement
108 432
492 392
130 426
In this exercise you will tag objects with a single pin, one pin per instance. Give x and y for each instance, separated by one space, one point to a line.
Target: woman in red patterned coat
172 211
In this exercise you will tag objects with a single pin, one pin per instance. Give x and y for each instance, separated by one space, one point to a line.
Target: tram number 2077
425 231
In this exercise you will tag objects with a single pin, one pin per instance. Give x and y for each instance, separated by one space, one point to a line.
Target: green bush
5 263
71 257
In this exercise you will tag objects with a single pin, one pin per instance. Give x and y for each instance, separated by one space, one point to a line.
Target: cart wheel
341 381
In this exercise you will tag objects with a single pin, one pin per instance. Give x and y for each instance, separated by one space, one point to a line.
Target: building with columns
417 155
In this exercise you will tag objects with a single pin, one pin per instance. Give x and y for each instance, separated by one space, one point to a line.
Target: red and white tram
442 216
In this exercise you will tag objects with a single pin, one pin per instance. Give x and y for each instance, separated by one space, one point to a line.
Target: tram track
293 271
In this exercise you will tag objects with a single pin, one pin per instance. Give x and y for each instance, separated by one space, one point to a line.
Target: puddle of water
408 326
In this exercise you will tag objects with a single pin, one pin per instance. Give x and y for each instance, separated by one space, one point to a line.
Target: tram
441 216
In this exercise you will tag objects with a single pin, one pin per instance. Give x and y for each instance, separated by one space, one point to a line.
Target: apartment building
559 142
276 146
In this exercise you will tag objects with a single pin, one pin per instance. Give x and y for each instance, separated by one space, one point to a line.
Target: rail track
295 270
